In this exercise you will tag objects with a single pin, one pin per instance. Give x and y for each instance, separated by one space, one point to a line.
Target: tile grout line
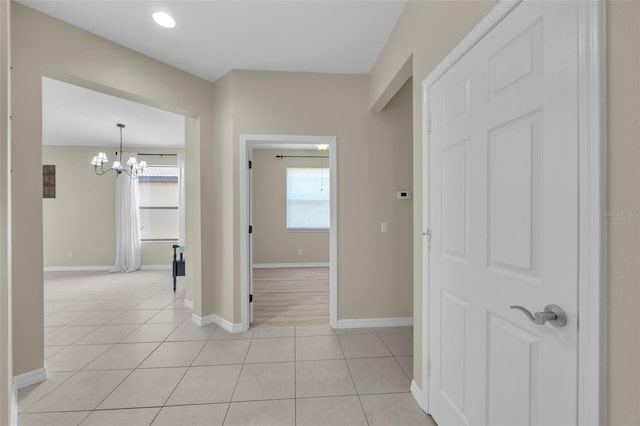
114 325
164 404
130 373
395 358
85 417
39 399
149 355
235 388
116 386
74 373
366 419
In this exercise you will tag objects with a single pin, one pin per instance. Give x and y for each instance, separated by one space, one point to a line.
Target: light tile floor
121 350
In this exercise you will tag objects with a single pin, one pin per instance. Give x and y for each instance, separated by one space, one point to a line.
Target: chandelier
134 168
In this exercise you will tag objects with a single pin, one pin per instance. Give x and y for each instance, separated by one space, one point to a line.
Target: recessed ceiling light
164 20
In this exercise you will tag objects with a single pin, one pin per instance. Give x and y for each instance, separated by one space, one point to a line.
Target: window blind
307 198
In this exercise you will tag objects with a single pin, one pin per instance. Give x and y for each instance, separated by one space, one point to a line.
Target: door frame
592 227
247 144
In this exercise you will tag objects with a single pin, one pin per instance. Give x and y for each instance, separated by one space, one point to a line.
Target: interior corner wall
373 163
272 242
221 299
194 150
425 33
79 223
6 364
67 53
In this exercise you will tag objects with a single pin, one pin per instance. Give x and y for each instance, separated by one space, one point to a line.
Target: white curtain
128 246
181 227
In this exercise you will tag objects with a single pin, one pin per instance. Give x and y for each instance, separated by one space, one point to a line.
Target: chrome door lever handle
552 314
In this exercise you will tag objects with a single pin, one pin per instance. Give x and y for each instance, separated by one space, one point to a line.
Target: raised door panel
454 352
512 374
513 194
454 201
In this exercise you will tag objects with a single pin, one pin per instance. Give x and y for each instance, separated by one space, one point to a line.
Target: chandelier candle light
135 168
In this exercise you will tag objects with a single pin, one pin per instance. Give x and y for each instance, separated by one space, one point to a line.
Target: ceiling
212 37
73 115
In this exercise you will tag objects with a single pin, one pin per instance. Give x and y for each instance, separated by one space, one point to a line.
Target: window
307 198
158 186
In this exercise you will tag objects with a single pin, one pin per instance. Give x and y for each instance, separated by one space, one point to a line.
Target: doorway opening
303 211
78 123
290 236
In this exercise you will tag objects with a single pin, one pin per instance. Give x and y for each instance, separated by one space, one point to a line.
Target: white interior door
503 211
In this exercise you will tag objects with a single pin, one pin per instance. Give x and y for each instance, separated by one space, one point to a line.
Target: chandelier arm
102 170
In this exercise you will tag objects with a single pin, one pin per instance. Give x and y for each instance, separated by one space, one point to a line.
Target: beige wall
67 53
221 299
81 219
424 34
272 243
6 366
623 245
373 162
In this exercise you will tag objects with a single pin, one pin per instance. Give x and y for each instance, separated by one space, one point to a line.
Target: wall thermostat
404 195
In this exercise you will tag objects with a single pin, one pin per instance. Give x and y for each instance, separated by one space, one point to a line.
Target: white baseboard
29 378
188 304
100 268
375 322
291 265
217 320
419 396
21 381
156 267
13 416
77 268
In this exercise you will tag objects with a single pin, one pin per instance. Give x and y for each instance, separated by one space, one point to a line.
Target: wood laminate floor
290 296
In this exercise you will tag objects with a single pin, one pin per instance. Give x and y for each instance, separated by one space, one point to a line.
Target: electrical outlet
384 227
299 252
69 254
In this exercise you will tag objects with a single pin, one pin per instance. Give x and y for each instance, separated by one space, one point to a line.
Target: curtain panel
128 246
